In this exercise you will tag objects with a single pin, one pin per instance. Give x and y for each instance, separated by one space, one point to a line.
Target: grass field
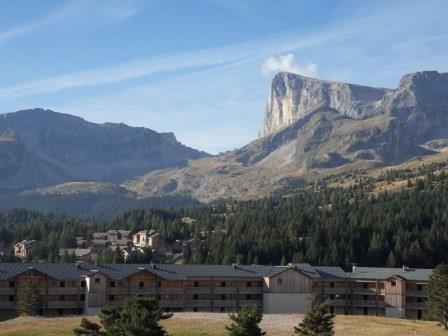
197 324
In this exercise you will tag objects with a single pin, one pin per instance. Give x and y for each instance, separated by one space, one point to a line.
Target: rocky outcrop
293 97
40 148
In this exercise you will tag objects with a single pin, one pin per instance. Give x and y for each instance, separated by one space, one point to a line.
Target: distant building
81 254
147 238
22 249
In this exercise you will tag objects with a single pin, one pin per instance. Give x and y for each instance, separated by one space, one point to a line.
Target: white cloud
287 63
248 51
115 11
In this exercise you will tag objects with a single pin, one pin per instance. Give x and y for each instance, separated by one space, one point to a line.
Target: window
331 296
223 296
83 283
366 312
111 297
223 284
419 315
248 297
196 297
97 280
159 297
12 284
159 284
223 309
248 284
366 285
393 283
112 284
82 297
141 284
419 287
195 309
331 310
62 284
331 284
61 311
279 281
419 300
196 284
365 298
61 297
12 298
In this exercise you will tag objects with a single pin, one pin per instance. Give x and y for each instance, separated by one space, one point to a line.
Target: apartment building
83 288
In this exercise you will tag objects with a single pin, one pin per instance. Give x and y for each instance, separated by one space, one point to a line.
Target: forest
321 225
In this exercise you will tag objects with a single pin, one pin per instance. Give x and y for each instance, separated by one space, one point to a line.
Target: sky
202 68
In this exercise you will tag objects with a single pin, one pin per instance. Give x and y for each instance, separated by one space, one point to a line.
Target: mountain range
312 128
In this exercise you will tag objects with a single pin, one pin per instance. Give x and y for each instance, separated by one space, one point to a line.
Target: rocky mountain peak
293 97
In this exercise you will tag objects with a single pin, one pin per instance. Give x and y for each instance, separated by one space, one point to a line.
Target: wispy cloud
242 52
115 11
287 63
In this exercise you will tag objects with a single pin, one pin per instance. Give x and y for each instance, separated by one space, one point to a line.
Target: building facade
82 288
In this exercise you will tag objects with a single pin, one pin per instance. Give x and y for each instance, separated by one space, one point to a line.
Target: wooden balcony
198 290
416 305
171 304
198 303
250 290
416 293
331 290
63 304
367 303
143 290
118 290
368 291
66 290
171 290
7 290
224 303
7 305
225 290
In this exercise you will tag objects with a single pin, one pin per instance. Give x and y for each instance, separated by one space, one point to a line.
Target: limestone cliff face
293 97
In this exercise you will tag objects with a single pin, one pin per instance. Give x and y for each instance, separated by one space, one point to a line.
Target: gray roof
74 271
378 273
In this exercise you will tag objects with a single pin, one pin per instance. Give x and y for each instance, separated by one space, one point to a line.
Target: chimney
234 266
405 268
353 268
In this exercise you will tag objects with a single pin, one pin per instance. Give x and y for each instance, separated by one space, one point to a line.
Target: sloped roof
379 273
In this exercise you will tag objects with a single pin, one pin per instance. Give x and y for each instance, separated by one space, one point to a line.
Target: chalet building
147 238
83 288
23 248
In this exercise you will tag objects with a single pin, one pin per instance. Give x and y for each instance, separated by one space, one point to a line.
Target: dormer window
279 281
393 283
62 284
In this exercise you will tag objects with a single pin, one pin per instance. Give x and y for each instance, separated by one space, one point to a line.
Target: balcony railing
371 291
143 290
118 290
225 290
171 304
198 290
417 293
63 304
251 303
250 290
198 303
7 290
368 303
65 290
7 305
224 303
416 305
171 290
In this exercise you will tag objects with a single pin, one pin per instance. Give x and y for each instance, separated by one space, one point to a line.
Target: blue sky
202 68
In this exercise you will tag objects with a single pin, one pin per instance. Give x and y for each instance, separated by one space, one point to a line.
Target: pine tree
245 322
29 301
318 321
88 328
138 317
438 295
